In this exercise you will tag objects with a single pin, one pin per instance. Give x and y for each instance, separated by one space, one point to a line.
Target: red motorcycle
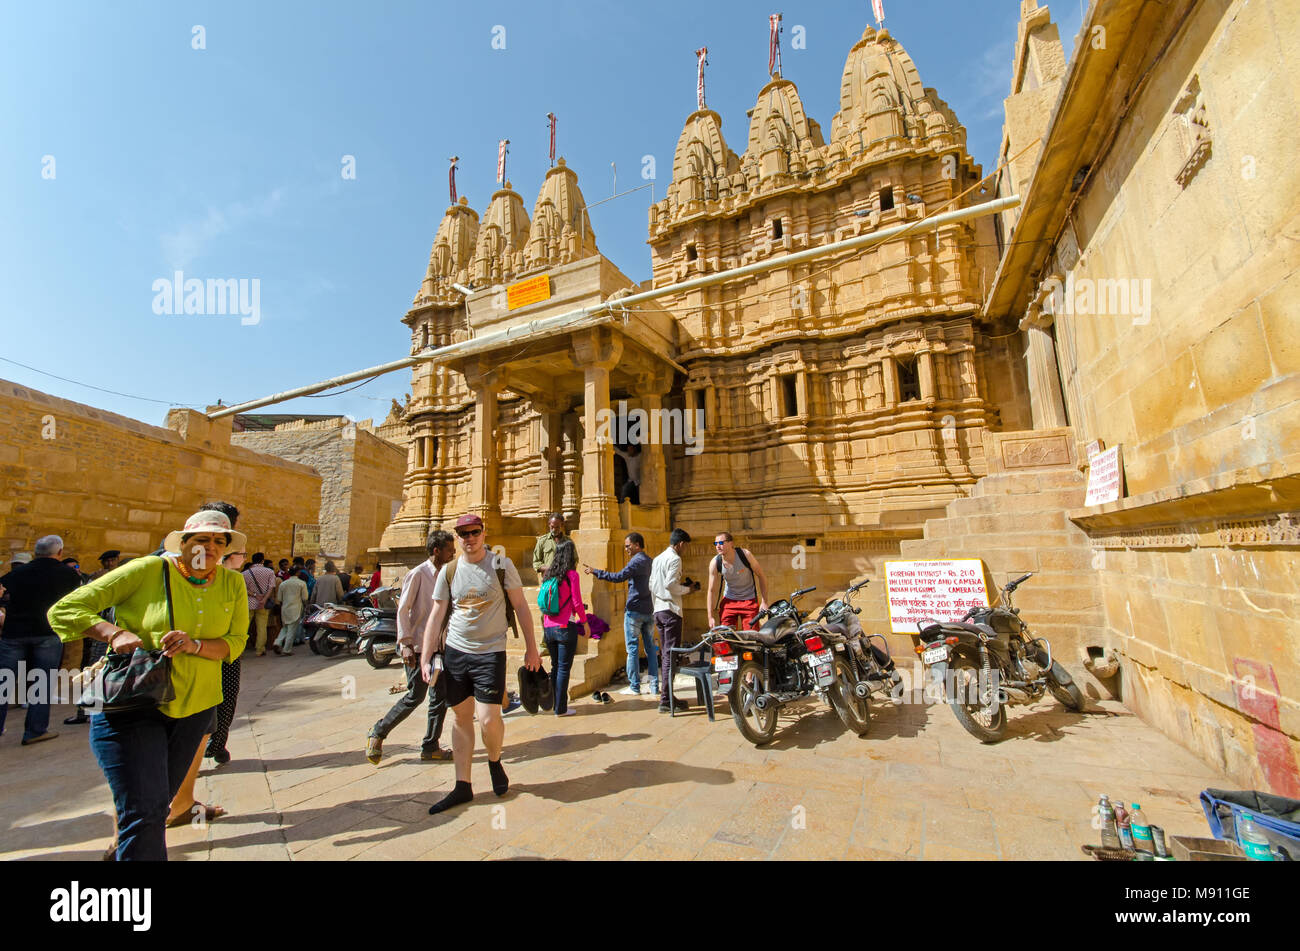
333 628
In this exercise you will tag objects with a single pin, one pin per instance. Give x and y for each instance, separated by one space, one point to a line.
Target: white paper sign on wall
1105 477
941 590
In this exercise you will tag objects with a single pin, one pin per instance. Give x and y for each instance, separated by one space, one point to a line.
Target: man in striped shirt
261 584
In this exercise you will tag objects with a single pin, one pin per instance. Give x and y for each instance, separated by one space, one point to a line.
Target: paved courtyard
620 782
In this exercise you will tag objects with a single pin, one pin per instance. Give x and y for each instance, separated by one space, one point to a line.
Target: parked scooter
377 638
988 661
787 659
332 628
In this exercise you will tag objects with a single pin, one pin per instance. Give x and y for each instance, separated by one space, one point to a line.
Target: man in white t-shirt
474 651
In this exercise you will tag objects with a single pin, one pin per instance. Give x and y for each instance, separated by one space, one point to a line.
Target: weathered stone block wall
1199 201
361 479
104 481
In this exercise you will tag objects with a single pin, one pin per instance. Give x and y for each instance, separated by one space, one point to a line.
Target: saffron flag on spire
701 55
451 177
774 42
501 161
551 116
879 7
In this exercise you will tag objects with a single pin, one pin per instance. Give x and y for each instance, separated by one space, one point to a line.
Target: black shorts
482 676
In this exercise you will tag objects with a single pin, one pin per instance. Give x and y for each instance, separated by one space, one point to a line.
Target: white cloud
191 239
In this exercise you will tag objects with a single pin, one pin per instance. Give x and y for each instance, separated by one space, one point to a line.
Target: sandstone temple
937 394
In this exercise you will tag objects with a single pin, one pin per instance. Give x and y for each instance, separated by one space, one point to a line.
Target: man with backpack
413 609
744 586
476 598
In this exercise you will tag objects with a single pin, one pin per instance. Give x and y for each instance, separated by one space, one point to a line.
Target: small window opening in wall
691 253
424 337
700 403
433 452
776 229
789 395
810 543
909 380
887 198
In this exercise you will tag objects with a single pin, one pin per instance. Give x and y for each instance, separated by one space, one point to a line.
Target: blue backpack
548 597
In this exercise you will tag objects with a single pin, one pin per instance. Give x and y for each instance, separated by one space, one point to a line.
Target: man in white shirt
474 651
667 588
413 610
291 595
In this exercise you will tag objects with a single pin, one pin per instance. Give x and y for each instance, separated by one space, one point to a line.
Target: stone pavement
620 782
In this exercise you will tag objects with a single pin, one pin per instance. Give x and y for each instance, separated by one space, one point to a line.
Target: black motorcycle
332 628
988 661
787 659
864 667
377 637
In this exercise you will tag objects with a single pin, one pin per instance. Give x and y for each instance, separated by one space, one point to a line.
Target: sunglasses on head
472 533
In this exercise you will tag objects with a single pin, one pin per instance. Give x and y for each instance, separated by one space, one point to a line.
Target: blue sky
226 162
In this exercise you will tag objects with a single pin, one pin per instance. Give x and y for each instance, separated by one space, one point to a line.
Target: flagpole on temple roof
502 152
451 177
701 56
550 116
878 7
774 44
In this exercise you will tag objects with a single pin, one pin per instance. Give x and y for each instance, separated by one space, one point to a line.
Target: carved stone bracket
1284 529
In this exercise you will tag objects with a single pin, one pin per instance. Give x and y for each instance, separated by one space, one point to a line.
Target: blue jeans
562 642
145 756
37 655
641 627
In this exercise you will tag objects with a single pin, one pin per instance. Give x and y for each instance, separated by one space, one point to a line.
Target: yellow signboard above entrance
531 291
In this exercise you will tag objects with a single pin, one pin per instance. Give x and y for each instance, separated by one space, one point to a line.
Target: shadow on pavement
621 777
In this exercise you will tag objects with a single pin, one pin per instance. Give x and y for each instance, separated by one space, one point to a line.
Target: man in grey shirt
474 651
329 587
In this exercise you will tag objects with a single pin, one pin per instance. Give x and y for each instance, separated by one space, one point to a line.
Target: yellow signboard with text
532 291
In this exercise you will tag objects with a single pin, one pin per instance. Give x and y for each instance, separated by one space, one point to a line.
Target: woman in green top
145 753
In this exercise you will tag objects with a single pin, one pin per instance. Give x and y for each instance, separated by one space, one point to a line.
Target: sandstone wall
104 481
1200 200
361 477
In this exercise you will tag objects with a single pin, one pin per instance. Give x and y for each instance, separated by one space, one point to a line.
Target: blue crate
1276 816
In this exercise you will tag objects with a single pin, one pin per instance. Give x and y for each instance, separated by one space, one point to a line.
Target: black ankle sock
500 782
461 793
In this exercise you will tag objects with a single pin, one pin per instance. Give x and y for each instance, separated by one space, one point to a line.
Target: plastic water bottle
1141 830
1253 842
1109 830
1122 826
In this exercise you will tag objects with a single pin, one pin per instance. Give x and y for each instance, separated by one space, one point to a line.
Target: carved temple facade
843 401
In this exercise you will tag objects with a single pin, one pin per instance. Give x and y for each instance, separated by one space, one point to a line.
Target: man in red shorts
744 586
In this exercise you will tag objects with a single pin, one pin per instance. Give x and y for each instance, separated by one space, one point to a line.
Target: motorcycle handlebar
802 591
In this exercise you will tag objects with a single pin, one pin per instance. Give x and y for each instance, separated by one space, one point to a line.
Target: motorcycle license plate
935 655
726 663
825 672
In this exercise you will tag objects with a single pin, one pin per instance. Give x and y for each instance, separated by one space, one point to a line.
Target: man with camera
667 587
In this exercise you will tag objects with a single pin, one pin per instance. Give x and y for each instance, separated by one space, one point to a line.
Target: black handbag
136 681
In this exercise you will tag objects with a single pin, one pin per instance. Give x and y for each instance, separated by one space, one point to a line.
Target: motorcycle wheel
855 713
321 643
1064 688
377 662
757 726
975 717
310 633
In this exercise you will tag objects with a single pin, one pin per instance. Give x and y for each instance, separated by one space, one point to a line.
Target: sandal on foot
186 817
374 749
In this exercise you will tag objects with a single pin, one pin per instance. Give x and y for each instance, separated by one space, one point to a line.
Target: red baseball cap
468 521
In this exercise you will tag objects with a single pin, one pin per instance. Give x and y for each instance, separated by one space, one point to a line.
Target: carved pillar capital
600 347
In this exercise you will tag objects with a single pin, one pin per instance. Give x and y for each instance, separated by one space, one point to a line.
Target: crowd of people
199 600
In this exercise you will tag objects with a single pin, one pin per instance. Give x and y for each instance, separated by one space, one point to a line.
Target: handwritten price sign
941 590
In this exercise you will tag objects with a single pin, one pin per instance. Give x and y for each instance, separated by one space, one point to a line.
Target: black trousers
416 690
225 712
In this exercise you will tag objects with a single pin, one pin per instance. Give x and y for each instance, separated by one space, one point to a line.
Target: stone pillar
1045 399
651 389
925 369
889 375
485 490
596 352
550 481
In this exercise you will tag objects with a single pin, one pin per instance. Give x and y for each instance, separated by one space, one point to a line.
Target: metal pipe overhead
529 328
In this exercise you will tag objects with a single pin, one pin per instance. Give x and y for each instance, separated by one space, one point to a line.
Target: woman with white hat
209 611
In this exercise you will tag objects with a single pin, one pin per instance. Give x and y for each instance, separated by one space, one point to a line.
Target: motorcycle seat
934 630
766 638
840 629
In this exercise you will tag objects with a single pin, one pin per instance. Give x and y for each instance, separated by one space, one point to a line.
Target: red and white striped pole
501 161
451 177
551 117
774 44
878 7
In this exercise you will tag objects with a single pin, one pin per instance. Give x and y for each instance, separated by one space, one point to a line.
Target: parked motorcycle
862 666
988 661
332 628
787 659
377 638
